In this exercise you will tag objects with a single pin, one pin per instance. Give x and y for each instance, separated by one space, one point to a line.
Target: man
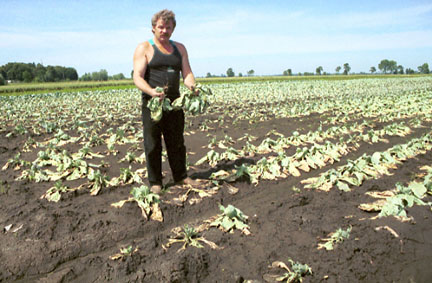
158 63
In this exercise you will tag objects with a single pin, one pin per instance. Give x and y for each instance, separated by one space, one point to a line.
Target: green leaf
375 158
240 225
343 186
418 189
227 223
55 197
156 115
350 180
328 245
293 170
311 162
166 104
360 177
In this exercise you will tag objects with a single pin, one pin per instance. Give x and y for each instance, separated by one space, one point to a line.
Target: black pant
171 126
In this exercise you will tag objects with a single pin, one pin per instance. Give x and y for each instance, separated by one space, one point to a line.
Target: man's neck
165 44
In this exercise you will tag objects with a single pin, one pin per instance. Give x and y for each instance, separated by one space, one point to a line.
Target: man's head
165 15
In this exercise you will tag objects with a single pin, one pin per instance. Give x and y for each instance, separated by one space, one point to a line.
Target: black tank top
163 70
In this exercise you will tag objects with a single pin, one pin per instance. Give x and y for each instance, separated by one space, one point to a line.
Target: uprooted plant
157 106
395 202
97 181
197 195
297 273
193 101
189 236
231 218
124 252
334 238
128 176
54 193
147 201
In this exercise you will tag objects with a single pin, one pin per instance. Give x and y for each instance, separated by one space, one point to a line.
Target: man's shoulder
144 48
177 43
179 46
144 45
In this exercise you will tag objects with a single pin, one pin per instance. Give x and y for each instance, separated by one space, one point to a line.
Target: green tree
400 69
372 69
424 69
319 70
118 77
50 74
230 72
287 72
60 73
95 76
209 75
71 74
102 75
14 71
250 73
2 80
86 77
409 71
27 76
338 68
3 72
347 68
39 73
387 66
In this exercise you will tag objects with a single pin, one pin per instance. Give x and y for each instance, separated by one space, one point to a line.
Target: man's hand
158 92
195 90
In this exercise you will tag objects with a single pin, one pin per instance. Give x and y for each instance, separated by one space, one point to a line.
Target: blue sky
266 36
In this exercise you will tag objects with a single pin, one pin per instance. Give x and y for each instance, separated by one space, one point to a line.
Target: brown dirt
72 240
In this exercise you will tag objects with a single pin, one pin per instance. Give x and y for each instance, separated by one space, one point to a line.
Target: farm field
80 86
68 86
314 181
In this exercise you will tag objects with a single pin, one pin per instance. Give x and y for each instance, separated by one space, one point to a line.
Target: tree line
391 67
230 73
31 72
102 75
385 66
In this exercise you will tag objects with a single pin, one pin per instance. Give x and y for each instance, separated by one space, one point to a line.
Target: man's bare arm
140 63
188 76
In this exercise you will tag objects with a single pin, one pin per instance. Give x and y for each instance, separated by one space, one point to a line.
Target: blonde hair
166 15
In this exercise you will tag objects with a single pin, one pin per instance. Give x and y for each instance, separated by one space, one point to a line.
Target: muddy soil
72 240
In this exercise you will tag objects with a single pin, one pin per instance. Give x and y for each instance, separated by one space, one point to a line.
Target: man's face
163 30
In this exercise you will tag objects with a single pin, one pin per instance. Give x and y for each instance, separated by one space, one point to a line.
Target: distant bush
102 75
31 72
118 77
2 80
